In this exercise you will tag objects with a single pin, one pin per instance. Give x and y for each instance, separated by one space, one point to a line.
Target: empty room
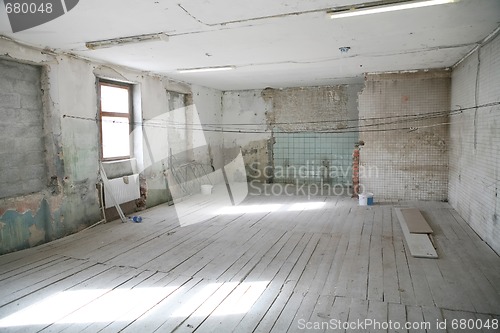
249 166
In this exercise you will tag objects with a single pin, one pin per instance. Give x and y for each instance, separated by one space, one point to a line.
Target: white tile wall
404 125
475 142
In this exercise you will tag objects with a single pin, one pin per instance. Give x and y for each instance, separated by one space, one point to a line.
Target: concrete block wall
474 178
68 200
403 123
22 156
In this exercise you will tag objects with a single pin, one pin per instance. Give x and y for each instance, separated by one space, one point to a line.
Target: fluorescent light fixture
205 69
381 7
101 44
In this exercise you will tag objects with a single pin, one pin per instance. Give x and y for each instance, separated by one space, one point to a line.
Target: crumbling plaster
251 116
70 201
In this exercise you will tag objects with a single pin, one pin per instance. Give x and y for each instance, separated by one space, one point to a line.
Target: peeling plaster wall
249 118
404 158
246 123
318 108
475 142
68 200
208 104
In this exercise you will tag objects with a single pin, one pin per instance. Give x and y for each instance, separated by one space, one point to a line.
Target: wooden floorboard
274 264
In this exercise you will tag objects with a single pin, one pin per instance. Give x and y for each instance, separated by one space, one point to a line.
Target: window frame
128 116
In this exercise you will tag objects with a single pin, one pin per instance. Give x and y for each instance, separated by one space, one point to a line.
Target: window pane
115 137
114 99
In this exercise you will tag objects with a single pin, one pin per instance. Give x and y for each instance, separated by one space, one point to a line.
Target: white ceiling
272 43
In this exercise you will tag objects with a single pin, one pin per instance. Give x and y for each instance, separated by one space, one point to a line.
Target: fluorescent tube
100 44
205 69
382 9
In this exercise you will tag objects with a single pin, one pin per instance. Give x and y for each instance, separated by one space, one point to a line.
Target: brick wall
475 142
22 164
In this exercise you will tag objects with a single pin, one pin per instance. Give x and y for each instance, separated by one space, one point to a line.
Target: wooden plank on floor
250 261
463 279
316 269
32 283
378 314
289 299
200 309
390 277
444 293
45 308
339 314
52 289
434 316
359 286
419 244
275 267
396 313
165 310
358 313
280 275
415 319
100 310
294 264
415 222
156 247
225 311
144 291
26 266
305 310
375 272
321 313
127 239
405 281
228 250
345 280
166 289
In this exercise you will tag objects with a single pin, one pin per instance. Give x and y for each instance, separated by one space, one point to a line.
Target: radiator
124 189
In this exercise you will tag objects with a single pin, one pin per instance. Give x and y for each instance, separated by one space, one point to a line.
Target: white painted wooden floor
278 264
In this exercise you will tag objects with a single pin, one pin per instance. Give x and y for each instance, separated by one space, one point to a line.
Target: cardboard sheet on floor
415 222
420 245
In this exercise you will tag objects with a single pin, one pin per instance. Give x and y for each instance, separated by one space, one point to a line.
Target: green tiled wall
310 157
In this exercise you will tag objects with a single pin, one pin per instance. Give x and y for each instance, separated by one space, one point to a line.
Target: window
115 114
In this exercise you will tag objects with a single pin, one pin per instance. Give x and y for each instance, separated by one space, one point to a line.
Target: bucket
206 189
365 199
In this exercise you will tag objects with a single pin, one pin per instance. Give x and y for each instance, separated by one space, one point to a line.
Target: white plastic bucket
206 189
365 199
